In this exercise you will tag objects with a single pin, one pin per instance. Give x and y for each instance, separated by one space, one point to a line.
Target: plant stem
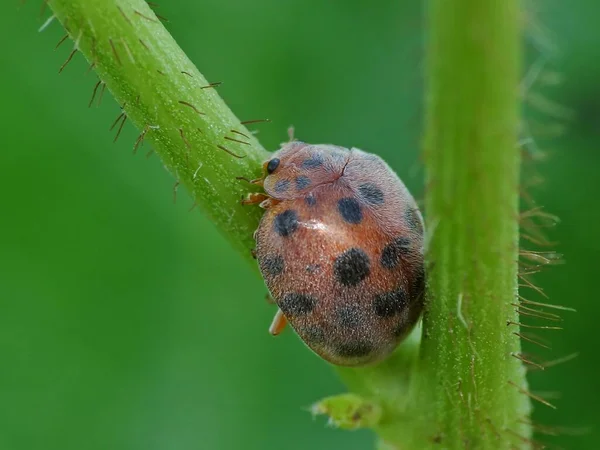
167 99
472 162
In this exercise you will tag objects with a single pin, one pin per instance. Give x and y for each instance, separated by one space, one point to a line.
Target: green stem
472 162
461 389
165 96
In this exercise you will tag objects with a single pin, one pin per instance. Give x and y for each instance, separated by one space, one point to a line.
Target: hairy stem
165 96
468 354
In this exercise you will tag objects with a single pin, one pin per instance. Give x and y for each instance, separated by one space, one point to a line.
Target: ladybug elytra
340 247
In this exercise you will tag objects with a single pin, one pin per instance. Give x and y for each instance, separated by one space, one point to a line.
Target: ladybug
340 248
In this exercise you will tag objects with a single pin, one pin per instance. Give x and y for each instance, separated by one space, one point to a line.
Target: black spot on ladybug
310 200
354 349
272 165
350 210
313 162
351 267
313 334
302 182
393 252
272 265
286 223
390 303
281 186
297 304
349 316
412 220
371 194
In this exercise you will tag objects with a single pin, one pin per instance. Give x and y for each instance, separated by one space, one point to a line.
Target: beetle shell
340 248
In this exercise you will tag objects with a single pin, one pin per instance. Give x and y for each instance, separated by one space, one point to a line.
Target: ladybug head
298 167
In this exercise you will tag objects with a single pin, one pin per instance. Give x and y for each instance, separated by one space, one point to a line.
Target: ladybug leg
256 181
278 324
263 200
255 198
269 299
267 203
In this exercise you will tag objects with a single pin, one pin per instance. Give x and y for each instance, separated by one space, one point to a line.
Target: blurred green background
127 322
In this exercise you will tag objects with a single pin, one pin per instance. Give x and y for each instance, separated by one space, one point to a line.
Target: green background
127 322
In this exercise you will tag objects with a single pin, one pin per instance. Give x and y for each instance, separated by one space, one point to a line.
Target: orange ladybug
340 247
